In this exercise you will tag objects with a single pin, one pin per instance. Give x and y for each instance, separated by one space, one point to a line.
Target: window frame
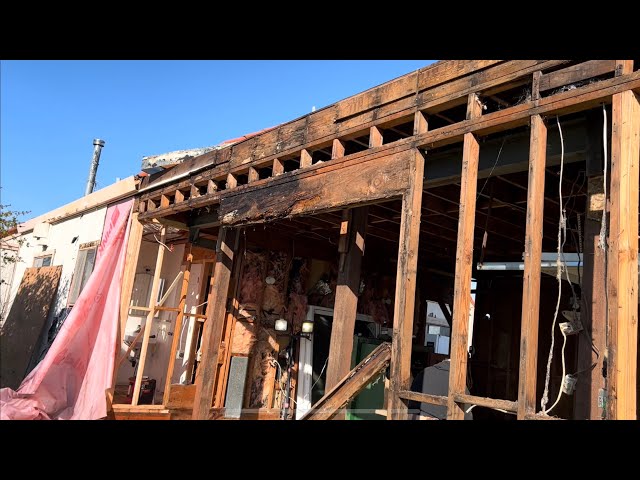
83 246
43 256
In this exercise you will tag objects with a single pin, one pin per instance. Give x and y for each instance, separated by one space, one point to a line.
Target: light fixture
281 325
307 326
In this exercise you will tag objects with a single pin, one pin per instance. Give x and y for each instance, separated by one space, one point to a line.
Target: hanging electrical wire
157 240
603 221
559 259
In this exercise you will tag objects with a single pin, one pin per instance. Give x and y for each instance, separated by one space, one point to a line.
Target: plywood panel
25 321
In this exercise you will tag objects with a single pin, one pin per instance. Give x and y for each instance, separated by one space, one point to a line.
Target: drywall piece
235 388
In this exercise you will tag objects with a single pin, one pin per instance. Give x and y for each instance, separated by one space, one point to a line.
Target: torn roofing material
156 163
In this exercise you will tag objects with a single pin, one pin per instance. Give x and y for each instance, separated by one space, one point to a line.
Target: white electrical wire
561 223
492 408
154 236
603 222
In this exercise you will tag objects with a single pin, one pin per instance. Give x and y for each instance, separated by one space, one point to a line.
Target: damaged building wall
61 242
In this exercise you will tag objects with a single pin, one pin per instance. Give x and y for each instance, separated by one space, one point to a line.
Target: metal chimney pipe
91 182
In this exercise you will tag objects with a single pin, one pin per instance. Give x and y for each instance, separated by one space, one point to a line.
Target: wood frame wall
397 169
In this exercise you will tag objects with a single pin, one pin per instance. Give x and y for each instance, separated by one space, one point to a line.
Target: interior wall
162 328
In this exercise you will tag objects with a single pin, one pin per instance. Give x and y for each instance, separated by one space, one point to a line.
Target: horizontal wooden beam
423 397
325 190
496 404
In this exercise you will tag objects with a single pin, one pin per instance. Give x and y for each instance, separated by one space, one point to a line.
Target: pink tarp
70 382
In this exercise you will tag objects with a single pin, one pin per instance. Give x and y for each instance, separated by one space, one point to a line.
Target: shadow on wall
25 322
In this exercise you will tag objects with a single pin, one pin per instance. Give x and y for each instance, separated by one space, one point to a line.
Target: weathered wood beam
576 73
532 270
328 188
155 287
228 240
464 265
403 312
346 301
591 343
423 397
622 260
493 403
128 276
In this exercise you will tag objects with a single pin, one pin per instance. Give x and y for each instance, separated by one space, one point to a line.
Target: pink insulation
252 281
277 272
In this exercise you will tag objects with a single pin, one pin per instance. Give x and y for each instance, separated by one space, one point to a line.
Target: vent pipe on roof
91 182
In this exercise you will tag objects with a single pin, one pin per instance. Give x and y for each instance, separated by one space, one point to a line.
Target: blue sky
50 111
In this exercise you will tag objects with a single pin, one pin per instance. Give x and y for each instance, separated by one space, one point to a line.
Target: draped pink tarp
70 381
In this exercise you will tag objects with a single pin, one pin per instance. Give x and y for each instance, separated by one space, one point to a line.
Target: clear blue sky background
52 110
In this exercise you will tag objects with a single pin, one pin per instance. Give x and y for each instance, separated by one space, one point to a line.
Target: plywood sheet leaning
25 321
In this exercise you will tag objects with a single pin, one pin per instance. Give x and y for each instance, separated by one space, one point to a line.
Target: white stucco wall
59 242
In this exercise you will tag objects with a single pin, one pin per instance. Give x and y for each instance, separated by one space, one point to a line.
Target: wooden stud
535 86
420 123
128 276
278 167
224 358
232 181
191 353
177 328
155 287
195 191
464 264
253 176
375 137
211 187
337 149
305 158
532 271
623 67
205 379
164 201
622 259
346 301
406 288
179 197
151 205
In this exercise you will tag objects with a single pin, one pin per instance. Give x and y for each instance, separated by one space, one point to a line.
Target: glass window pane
434 330
46 261
76 282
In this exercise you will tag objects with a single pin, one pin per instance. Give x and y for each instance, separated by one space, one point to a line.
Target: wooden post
346 303
622 260
129 274
216 313
531 280
464 265
191 353
405 290
155 286
178 326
